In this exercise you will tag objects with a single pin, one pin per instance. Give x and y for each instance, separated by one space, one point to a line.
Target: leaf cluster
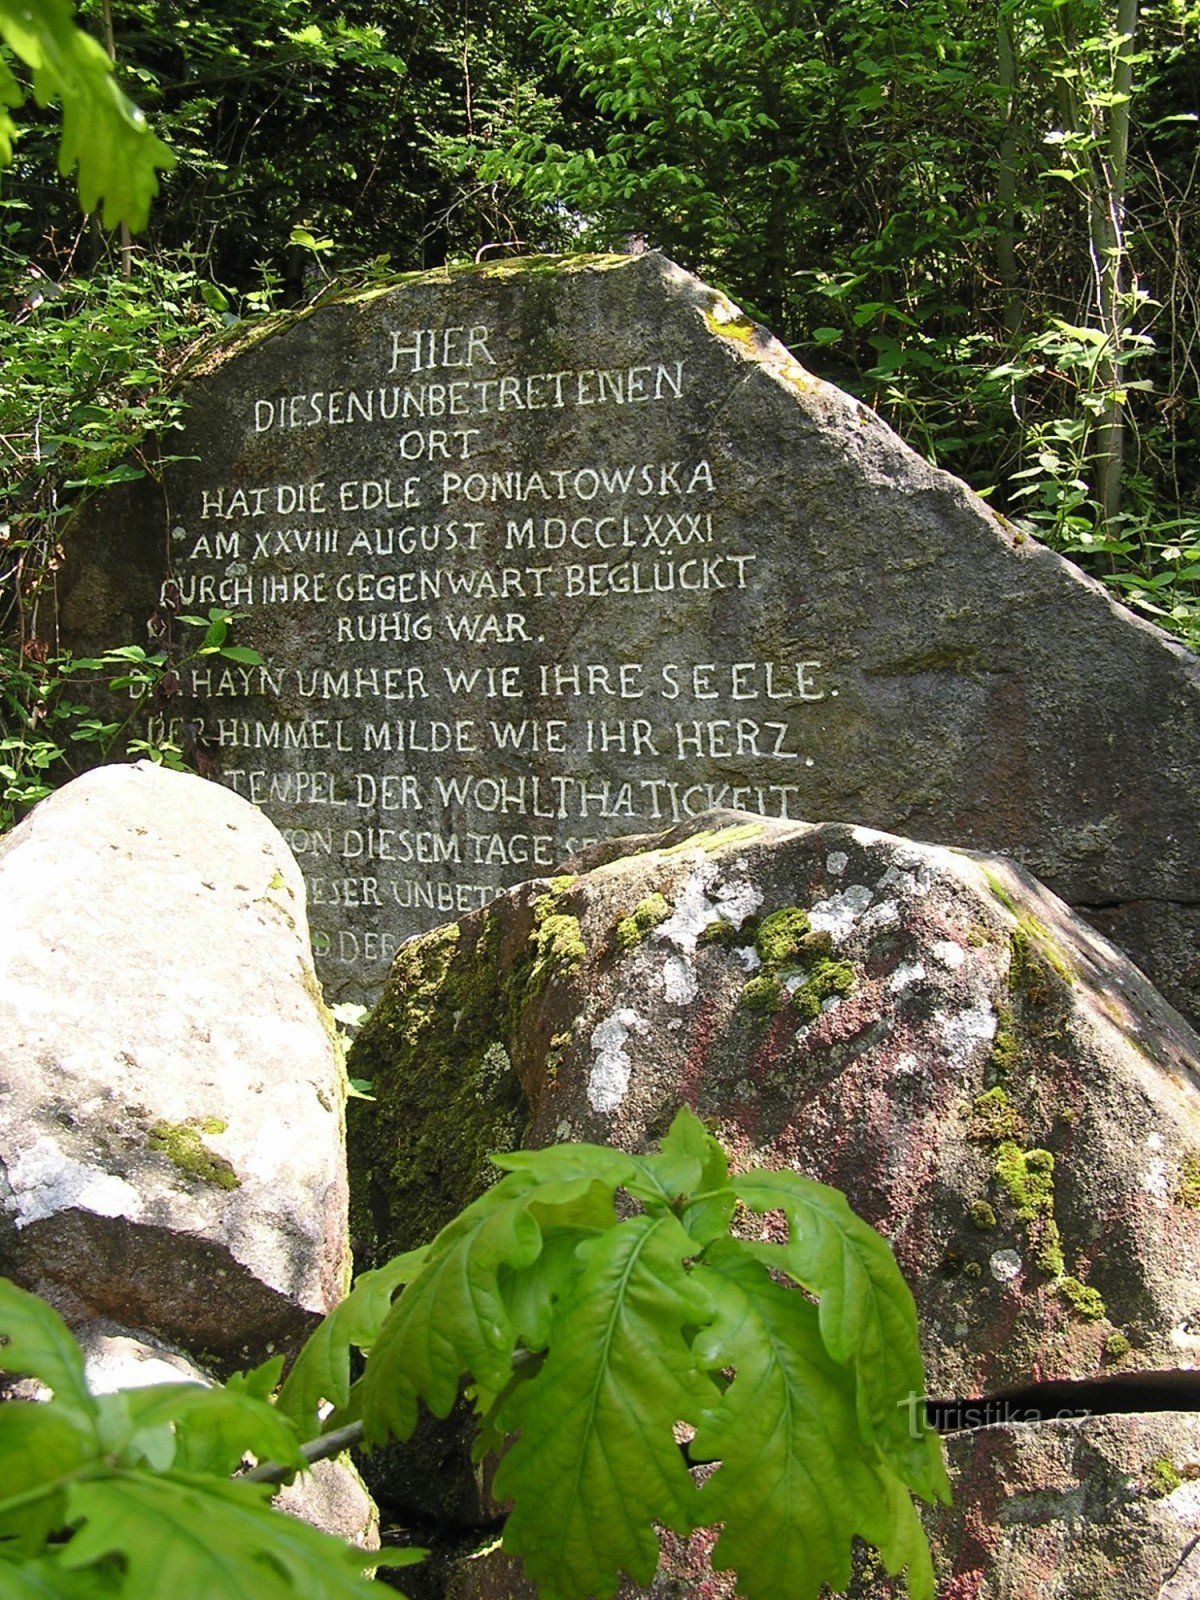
128 1495
595 1337
104 135
613 1333
54 708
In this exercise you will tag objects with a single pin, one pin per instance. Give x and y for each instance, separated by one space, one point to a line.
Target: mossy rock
442 1051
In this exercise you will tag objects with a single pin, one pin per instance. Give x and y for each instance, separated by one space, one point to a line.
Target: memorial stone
540 553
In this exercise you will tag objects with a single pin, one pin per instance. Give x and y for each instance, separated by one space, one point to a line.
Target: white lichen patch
907 1066
836 863
749 957
1004 1265
1184 1337
914 882
1154 1141
905 975
679 981
44 1180
608 1079
1184 1505
884 915
1155 1181
966 1031
837 915
948 954
704 900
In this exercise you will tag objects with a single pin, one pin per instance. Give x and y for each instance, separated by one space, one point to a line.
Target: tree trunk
1006 177
1112 265
110 40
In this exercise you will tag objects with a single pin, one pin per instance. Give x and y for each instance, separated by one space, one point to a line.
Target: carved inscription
477 661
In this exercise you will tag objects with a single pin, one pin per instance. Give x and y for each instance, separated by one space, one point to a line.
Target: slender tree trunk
1006 176
110 40
1103 125
1112 264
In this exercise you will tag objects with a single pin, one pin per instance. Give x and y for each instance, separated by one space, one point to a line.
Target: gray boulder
170 1089
993 1085
331 1496
546 551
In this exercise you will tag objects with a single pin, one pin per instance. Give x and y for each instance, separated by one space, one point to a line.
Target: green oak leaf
707 1216
558 1163
532 1292
867 1314
260 1381
452 1317
38 1344
196 1538
103 133
10 98
214 1427
41 1445
797 1479
45 1578
322 1369
676 1169
596 1462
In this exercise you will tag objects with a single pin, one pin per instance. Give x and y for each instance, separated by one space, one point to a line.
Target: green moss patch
1048 1255
713 839
780 937
1004 1059
798 967
645 917
999 892
1027 1178
1187 1190
994 1118
183 1146
764 993
826 979
1163 1478
443 1050
982 1215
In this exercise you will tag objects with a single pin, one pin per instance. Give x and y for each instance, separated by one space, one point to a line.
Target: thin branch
319 1449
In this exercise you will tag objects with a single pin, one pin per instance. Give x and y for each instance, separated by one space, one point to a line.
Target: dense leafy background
983 219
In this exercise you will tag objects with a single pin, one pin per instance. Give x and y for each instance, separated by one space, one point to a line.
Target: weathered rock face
991 1083
547 552
1080 1510
171 1107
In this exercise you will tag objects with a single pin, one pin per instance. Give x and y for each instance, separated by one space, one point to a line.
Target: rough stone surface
545 552
333 1497
991 1083
170 1092
1069 1509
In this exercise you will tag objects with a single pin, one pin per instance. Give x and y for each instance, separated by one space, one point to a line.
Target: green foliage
48 707
589 1332
139 1480
103 133
934 200
87 377
639 1320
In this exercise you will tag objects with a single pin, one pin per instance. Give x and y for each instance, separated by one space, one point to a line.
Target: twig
320 1449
